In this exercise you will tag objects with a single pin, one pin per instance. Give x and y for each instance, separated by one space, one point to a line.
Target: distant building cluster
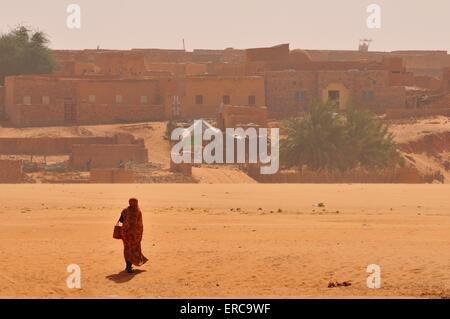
110 86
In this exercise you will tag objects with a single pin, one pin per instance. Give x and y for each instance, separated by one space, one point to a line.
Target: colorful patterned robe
132 231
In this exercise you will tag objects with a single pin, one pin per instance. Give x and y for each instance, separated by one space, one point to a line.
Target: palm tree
370 143
316 140
324 139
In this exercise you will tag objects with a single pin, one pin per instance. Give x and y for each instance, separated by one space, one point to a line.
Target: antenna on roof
364 45
184 46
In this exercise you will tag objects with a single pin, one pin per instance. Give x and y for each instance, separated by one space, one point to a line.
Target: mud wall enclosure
46 145
84 157
111 176
11 171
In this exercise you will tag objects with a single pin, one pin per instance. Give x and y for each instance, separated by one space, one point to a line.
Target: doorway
334 96
70 112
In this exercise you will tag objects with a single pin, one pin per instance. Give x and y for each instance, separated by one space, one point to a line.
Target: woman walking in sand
132 230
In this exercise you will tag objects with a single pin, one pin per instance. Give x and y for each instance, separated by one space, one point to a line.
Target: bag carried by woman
117 234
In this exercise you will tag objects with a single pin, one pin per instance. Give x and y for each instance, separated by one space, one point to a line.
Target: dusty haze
319 24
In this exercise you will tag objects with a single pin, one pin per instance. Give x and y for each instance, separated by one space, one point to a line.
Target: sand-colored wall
357 82
11 171
111 176
275 53
85 68
106 156
446 80
2 102
106 114
213 89
46 145
115 101
237 116
420 62
282 89
37 115
428 82
106 91
118 101
180 69
36 87
399 175
120 63
401 79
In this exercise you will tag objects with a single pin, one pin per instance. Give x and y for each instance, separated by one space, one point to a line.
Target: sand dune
228 240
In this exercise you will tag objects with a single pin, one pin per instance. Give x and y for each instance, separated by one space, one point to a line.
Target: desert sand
240 241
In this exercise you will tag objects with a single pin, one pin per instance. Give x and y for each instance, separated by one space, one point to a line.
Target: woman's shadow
124 276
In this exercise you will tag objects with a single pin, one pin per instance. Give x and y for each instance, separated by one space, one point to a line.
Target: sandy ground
228 240
412 130
221 174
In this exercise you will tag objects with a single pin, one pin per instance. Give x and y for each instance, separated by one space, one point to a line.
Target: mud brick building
53 101
419 62
292 91
120 86
202 96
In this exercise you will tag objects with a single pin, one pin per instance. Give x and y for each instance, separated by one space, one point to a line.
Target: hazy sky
308 24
